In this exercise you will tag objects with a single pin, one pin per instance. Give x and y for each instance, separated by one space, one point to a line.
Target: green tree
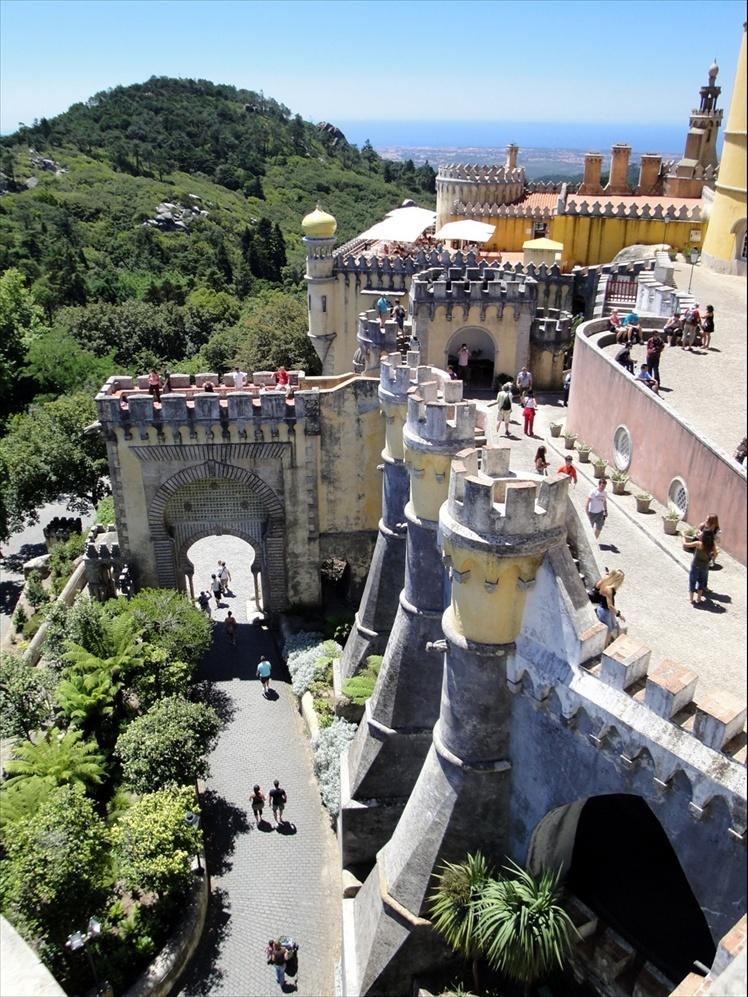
26 697
522 926
55 870
59 365
21 320
454 905
168 620
153 846
62 758
157 676
274 332
167 745
46 453
22 800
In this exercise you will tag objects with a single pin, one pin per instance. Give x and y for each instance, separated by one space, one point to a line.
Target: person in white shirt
524 383
597 507
240 379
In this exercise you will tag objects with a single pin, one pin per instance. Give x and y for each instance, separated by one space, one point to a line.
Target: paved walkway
654 597
264 882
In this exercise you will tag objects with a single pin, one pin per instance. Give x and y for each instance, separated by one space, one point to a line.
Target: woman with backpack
603 597
257 799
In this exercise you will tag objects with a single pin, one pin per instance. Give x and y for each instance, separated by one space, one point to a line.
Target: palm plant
62 759
522 927
454 905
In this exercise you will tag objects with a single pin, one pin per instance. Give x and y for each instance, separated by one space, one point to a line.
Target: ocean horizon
665 138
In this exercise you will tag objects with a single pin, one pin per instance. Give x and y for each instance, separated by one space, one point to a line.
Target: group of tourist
680 330
505 399
158 385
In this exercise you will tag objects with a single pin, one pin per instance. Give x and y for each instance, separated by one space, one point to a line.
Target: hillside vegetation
159 225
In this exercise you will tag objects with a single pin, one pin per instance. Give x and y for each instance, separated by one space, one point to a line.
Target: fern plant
63 759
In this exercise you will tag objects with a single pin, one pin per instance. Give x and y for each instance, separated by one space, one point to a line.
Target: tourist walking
597 507
224 577
203 601
278 800
504 402
541 463
463 363
568 468
691 326
277 956
230 625
414 346
257 800
382 307
707 327
399 316
655 346
523 382
698 576
216 588
604 595
264 671
530 407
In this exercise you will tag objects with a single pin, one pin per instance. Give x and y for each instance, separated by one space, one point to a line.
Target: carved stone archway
211 499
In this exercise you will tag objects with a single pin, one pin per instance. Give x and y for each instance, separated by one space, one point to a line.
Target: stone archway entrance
214 499
482 354
619 861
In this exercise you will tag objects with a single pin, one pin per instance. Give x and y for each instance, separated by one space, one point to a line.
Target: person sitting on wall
673 329
630 329
281 377
614 322
646 378
623 357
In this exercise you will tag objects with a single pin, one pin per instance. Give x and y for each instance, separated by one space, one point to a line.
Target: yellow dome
319 225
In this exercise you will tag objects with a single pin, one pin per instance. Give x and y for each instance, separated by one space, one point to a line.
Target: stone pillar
649 173
494 533
386 755
593 167
511 156
618 182
379 600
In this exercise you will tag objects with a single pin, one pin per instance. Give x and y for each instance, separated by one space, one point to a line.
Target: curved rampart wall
665 446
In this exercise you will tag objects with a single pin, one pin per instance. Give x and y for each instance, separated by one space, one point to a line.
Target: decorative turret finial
319 224
713 70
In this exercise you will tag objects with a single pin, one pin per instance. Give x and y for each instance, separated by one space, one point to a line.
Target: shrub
62 561
167 619
328 747
26 695
20 618
374 663
359 688
105 511
35 591
153 846
168 744
324 710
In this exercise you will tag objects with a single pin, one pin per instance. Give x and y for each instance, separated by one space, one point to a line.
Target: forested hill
227 159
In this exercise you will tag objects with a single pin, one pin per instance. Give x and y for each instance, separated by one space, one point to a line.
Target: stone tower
394 736
494 533
700 154
376 612
725 247
319 242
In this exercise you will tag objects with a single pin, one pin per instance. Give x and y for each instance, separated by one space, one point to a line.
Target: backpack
507 402
595 597
691 316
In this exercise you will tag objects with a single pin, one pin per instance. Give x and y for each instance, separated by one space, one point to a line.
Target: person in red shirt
281 377
568 468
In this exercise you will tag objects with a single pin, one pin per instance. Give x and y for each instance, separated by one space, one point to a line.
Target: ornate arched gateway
214 499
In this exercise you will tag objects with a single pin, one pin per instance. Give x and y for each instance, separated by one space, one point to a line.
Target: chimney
618 183
593 166
649 173
511 156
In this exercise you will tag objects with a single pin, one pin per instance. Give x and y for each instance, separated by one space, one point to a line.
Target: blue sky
592 60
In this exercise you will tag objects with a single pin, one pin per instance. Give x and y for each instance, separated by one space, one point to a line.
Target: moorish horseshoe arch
269 541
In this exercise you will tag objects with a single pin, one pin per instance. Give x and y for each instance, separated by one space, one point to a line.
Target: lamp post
193 820
694 258
78 940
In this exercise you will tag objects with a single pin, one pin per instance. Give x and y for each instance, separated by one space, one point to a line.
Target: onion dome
319 225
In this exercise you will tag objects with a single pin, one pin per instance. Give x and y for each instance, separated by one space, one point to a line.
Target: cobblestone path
265 882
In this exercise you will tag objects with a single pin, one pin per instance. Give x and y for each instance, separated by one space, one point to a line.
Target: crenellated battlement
497 508
496 209
471 285
396 378
438 418
477 173
656 212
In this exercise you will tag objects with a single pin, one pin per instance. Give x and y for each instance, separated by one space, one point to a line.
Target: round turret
319 225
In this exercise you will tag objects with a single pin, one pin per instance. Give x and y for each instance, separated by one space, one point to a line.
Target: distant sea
668 139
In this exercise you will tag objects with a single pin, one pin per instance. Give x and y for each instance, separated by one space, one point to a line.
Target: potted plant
556 428
643 500
600 465
620 480
670 522
569 440
584 451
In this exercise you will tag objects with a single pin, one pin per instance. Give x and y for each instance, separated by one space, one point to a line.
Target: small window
677 495
744 245
622 448
540 230
324 303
